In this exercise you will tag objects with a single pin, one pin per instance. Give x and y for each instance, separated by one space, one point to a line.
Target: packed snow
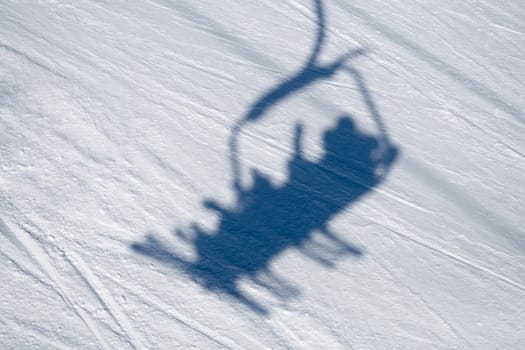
325 174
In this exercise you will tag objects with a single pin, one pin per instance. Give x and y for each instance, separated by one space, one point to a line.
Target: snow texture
325 174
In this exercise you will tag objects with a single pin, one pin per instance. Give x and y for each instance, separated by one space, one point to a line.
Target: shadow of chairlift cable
266 219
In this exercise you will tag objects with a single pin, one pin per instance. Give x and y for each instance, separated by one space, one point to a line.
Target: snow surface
262 174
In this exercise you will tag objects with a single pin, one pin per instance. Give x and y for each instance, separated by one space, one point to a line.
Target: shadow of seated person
268 219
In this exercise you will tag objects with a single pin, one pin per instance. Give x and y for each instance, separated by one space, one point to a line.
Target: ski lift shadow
267 219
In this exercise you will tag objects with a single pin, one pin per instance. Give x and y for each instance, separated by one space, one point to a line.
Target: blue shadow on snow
267 219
